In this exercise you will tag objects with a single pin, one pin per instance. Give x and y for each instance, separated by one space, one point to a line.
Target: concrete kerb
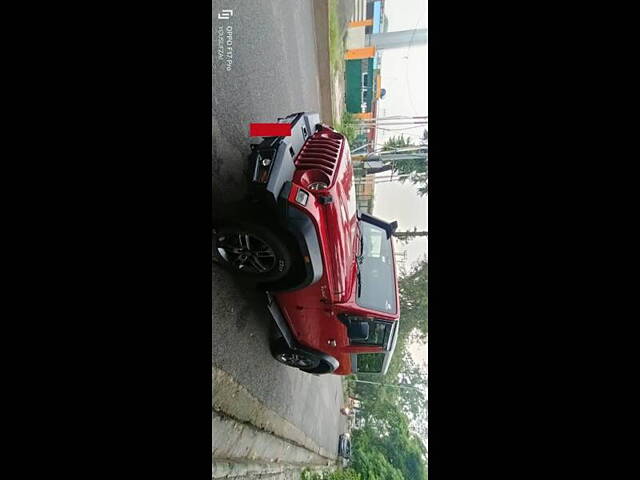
244 444
231 470
235 402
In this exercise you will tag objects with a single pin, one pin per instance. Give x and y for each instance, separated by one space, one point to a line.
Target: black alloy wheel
253 250
297 359
247 252
293 357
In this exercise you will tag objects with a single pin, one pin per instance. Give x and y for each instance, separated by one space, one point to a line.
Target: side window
378 331
370 362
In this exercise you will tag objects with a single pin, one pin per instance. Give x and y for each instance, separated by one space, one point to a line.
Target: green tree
414 298
347 126
414 169
396 142
373 465
386 446
389 446
413 326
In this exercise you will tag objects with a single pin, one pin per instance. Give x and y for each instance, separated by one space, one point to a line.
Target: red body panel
312 312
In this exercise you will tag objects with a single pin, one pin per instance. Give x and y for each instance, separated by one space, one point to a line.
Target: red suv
329 270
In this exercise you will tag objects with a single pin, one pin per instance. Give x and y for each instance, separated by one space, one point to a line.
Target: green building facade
360 85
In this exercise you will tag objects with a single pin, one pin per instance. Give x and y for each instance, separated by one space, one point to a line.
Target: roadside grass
347 126
337 36
336 43
346 474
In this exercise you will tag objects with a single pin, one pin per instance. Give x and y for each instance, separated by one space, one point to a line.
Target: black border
123 137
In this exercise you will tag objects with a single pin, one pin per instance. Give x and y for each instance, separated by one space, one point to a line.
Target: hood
340 219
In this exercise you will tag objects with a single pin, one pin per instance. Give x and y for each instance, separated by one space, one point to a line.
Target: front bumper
271 183
280 153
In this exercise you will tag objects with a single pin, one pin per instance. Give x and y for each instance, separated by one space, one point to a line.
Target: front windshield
377 280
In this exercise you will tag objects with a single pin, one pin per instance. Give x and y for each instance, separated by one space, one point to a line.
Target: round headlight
317 186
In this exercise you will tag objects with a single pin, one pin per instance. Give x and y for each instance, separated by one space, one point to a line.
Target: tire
253 251
322 368
296 358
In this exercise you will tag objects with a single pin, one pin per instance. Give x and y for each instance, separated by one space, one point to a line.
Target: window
379 330
374 246
365 79
377 279
370 362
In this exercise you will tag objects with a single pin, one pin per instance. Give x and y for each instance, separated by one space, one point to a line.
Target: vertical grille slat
320 152
320 155
322 148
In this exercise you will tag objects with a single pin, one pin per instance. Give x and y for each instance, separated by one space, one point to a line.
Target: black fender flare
289 338
301 227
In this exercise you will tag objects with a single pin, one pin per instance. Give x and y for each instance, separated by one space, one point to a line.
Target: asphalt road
273 73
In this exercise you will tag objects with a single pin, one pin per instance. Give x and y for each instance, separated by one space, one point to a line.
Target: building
365 185
362 64
367 36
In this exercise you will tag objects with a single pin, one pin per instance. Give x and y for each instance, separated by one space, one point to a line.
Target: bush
347 127
346 474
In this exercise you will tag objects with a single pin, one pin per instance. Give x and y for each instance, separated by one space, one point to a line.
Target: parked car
328 269
344 446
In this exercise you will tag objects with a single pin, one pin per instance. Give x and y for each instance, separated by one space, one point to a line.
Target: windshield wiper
360 257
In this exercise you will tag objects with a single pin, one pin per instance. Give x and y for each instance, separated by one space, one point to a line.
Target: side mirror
358 331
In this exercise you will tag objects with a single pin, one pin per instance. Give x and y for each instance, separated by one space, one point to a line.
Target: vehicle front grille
321 152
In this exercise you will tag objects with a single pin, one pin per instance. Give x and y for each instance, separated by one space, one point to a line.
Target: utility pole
401 258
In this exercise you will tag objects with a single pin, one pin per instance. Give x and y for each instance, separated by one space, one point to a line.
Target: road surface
273 73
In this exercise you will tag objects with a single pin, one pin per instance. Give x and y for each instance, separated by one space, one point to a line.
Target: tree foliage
415 169
396 142
386 448
347 126
414 299
389 445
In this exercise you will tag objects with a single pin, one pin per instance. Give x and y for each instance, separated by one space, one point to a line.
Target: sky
404 76
404 70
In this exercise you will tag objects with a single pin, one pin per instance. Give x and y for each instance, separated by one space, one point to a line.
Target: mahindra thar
328 270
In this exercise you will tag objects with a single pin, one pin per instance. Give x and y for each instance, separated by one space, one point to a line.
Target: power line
399 129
